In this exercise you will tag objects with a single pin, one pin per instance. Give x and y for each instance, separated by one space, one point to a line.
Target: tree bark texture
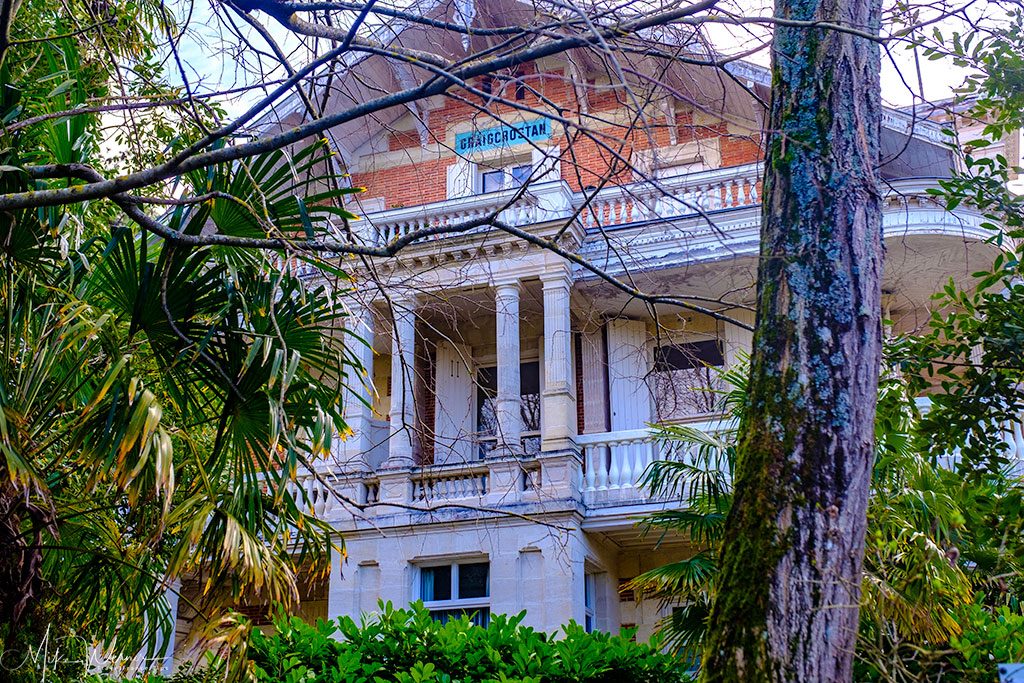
789 587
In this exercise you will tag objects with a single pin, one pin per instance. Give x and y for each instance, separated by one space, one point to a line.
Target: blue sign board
502 136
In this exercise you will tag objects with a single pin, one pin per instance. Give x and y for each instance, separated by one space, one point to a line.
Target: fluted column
359 388
508 409
558 429
403 358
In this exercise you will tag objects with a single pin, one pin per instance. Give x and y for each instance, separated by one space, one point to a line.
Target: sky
214 61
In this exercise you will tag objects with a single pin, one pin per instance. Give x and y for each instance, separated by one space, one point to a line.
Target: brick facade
603 152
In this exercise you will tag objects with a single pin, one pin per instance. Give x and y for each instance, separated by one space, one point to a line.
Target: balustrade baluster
643 458
590 476
626 473
614 469
601 461
715 196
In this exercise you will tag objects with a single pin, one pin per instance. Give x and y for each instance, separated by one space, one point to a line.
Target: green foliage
974 346
156 402
988 636
408 646
933 543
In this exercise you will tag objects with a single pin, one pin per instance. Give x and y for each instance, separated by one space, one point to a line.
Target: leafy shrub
990 637
408 646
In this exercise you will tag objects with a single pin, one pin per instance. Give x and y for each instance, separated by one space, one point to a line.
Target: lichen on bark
791 560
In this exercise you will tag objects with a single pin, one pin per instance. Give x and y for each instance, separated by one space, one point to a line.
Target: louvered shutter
460 179
595 400
547 164
738 339
628 365
453 404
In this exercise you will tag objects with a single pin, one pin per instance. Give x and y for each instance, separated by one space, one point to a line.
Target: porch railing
614 465
674 197
446 483
539 203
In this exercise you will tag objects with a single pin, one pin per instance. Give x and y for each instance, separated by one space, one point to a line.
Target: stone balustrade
613 468
539 203
446 483
676 197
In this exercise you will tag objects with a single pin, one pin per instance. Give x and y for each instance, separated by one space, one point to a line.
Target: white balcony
540 203
609 481
692 194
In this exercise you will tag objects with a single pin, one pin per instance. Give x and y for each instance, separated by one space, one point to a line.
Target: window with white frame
455 589
685 381
506 178
589 612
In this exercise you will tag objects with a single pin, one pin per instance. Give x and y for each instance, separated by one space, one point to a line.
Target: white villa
504 419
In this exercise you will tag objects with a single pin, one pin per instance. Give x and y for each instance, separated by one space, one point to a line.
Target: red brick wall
585 162
578 341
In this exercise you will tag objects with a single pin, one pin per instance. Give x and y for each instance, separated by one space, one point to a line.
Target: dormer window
508 178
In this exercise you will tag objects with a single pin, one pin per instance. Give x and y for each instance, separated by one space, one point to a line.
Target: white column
403 416
508 409
359 395
559 396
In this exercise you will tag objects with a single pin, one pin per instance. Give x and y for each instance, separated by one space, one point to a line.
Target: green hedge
407 646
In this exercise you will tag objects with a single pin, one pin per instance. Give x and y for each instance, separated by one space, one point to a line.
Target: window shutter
547 164
453 404
460 179
628 366
595 411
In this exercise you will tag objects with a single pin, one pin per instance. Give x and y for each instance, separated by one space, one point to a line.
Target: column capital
403 303
557 275
507 287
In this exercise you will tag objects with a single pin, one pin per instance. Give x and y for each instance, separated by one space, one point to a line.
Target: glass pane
485 448
529 407
680 394
473 580
688 356
486 400
492 181
487 379
529 377
487 392
520 174
436 583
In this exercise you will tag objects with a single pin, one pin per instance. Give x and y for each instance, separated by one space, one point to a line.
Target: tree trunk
789 587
